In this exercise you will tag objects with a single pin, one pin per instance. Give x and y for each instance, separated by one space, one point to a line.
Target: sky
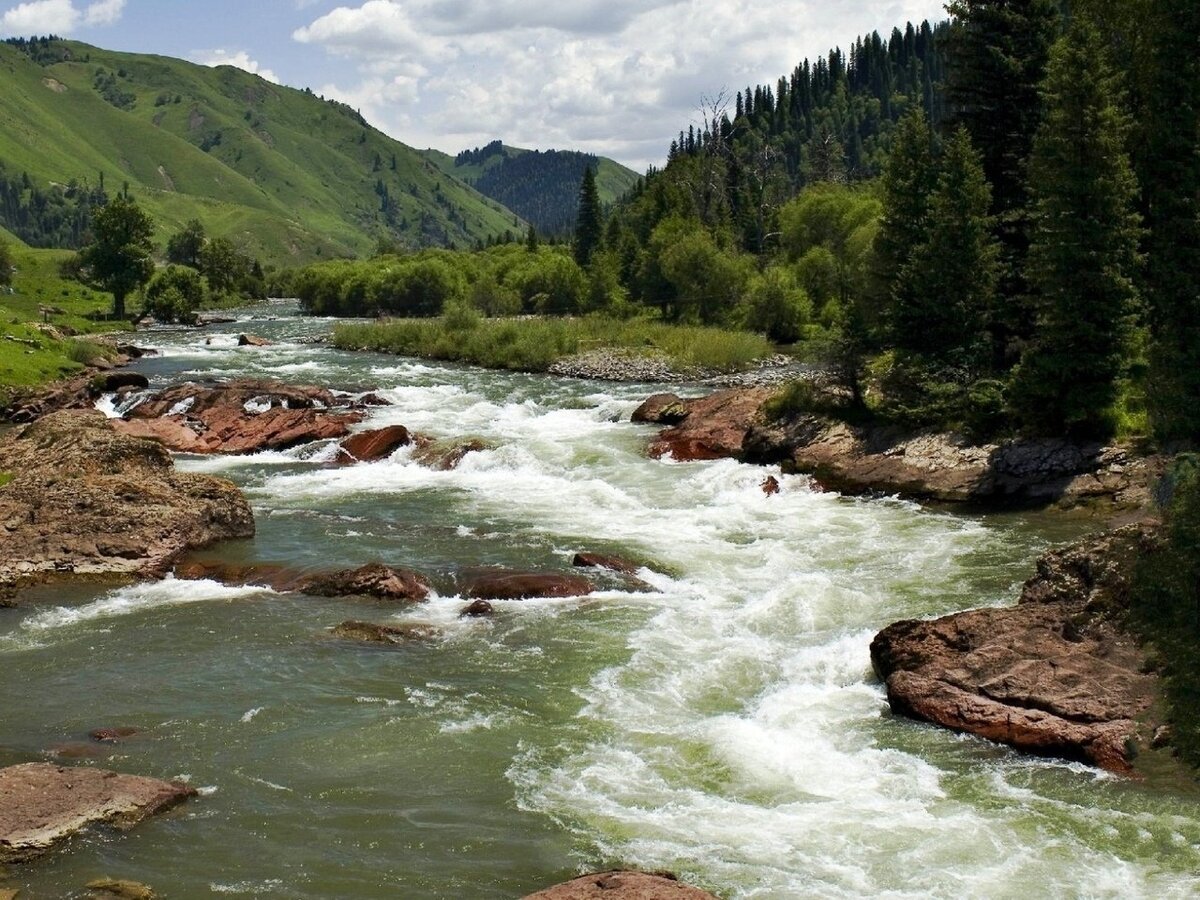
618 78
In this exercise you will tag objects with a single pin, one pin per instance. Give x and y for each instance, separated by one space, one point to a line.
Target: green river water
725 726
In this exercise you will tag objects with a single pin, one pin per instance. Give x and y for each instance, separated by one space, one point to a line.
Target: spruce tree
1084 249
589 223
951 276
1170 173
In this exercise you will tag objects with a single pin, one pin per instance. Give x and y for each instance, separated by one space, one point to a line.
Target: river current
725 726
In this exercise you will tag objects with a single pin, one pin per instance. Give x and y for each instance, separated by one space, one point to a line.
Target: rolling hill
289 176
541 187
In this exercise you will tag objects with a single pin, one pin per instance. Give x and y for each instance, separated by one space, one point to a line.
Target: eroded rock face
1053 675
622 886
373 580
42 804
85 501
502 584
241 416
714 427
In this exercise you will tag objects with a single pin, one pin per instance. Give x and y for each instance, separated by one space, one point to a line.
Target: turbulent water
725 725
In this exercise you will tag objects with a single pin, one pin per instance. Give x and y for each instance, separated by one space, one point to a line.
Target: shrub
174 294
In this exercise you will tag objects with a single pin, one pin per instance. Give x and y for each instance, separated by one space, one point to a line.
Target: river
725 725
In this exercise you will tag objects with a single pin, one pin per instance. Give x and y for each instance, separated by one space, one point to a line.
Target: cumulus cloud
40 17
240 59
616 77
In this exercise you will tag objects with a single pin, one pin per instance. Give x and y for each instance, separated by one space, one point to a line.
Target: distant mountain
289 176
541 187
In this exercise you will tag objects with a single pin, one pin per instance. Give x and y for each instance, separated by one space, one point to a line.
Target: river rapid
725 726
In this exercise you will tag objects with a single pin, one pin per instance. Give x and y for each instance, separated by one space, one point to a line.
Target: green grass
292 179
534 345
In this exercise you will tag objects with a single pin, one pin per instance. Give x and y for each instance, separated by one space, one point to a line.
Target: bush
174 294
776 305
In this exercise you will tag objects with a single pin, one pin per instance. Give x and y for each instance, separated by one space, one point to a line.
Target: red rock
252 340
622 886
374 580
661 409
1054 675
770 485
370 446
277 577
42 804
715 426
603 561
477 610
372 400
502 584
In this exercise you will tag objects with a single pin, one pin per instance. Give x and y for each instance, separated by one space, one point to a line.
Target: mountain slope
288 175
541 187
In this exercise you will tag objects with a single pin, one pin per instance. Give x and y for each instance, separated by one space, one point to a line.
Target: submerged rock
42 804
371 446
478 609
85 501
1054 675
502 584
241 416
372 580
121 888
445 455
271 575
112 735
385 634
604 561
622 886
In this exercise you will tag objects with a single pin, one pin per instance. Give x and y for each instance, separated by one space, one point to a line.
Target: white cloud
41 17
104 12
616 77
241 59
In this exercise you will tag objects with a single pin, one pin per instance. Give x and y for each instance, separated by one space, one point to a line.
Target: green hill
287 175
541 187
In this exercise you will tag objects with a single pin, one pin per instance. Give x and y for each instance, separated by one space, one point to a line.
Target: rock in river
373 580
42 804
622 886
1054 675
502 584
85 501
371 633
370 446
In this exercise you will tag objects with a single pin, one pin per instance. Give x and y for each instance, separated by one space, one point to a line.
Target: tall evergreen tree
950 279
119 258
589 224
1084 249
909 178
997 54
1170 173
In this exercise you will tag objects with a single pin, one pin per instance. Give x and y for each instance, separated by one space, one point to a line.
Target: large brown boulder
622 886
241 416
1054 675
42 804
587 560
714 427
371 446
503 584
85 501
661 409
373 580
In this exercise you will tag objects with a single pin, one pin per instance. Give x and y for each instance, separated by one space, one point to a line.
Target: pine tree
908 180
589 224
1084 249
1171 177
951 277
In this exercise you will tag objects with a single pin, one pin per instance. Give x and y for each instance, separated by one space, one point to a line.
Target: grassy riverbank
534 345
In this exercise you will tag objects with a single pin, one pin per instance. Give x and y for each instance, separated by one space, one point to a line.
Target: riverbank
589 347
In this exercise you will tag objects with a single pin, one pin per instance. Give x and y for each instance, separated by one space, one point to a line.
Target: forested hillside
290 176
541 187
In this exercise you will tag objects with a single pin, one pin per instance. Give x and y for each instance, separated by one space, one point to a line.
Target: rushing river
725 726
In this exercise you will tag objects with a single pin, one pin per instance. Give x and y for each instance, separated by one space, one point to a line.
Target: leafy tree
705 280
1171 177
589 224
185 246
119 258
775 305
174 294
1084 252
